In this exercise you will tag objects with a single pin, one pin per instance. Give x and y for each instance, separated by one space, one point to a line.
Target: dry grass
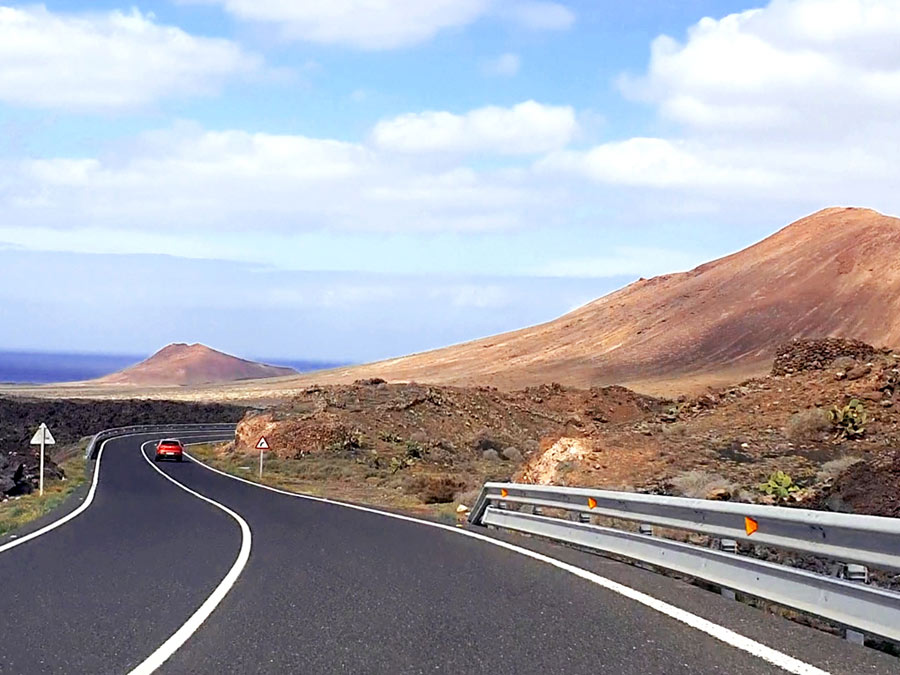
808 424
834 468
698 484
410 491
16 512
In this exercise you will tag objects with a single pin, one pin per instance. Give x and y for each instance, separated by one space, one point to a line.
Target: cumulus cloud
107 61
188 177
389 24
657 162
798 65
523 129
794 102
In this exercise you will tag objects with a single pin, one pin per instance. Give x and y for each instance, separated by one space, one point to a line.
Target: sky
359 179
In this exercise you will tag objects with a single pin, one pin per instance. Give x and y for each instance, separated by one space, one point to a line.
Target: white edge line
87 500
69 516
179 637
726 635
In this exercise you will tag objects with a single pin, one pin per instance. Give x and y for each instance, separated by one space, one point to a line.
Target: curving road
332 589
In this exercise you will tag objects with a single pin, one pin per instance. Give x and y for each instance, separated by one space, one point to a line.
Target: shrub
399 463
849 421
698 484
490 455
468 497
512 454
780 485
531 446
435 489
414 450
808 424
675 430
485 440
836 467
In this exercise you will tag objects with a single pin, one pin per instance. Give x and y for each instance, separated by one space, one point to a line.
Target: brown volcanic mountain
834 273
182 364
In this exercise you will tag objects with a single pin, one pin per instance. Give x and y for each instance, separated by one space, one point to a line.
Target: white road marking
69 516
726 635
179 637
84 506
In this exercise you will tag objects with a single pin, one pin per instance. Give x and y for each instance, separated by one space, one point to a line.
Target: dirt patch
871 487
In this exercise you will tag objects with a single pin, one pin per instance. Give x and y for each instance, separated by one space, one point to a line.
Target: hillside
834 273
182 364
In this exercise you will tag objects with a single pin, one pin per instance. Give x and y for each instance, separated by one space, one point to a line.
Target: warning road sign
262 444
42 436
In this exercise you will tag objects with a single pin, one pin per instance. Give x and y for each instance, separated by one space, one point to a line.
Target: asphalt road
329 589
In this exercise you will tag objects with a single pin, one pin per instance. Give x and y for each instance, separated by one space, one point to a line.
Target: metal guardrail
94 445
866 540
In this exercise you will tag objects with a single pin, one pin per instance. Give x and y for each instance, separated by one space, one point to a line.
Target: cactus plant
779 485
398 463
849 421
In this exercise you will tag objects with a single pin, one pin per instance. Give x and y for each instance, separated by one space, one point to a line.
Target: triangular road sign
263 444
42 435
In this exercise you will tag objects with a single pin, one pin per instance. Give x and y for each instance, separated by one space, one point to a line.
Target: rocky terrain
70 421
425 443
181 364
377 441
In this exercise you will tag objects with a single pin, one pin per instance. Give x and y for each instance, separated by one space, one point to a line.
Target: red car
170 448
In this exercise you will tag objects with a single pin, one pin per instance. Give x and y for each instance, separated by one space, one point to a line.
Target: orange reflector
504 492
592 503
750 525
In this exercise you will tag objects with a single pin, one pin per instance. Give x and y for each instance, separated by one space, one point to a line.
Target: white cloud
797 65
526 128
388 24
189 178
107 61
655 162
793 103
505 65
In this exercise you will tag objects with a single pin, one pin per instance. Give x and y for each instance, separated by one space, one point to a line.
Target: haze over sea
47 367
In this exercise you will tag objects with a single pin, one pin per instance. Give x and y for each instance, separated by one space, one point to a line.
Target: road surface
331 589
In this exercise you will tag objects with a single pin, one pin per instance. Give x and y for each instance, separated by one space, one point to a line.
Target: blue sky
355 179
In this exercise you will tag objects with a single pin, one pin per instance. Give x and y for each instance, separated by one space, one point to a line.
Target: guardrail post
728 546
860 575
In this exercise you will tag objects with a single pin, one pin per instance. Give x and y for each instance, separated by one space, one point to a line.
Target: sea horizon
46 367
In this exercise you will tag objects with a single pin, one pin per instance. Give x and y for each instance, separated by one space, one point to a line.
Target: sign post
262 445
42 437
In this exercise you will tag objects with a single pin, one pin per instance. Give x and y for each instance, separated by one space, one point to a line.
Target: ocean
44 368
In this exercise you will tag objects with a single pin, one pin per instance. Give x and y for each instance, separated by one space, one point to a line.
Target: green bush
849 421
779 485
399 463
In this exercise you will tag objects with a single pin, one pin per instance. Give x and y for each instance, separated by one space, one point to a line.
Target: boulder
858 372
